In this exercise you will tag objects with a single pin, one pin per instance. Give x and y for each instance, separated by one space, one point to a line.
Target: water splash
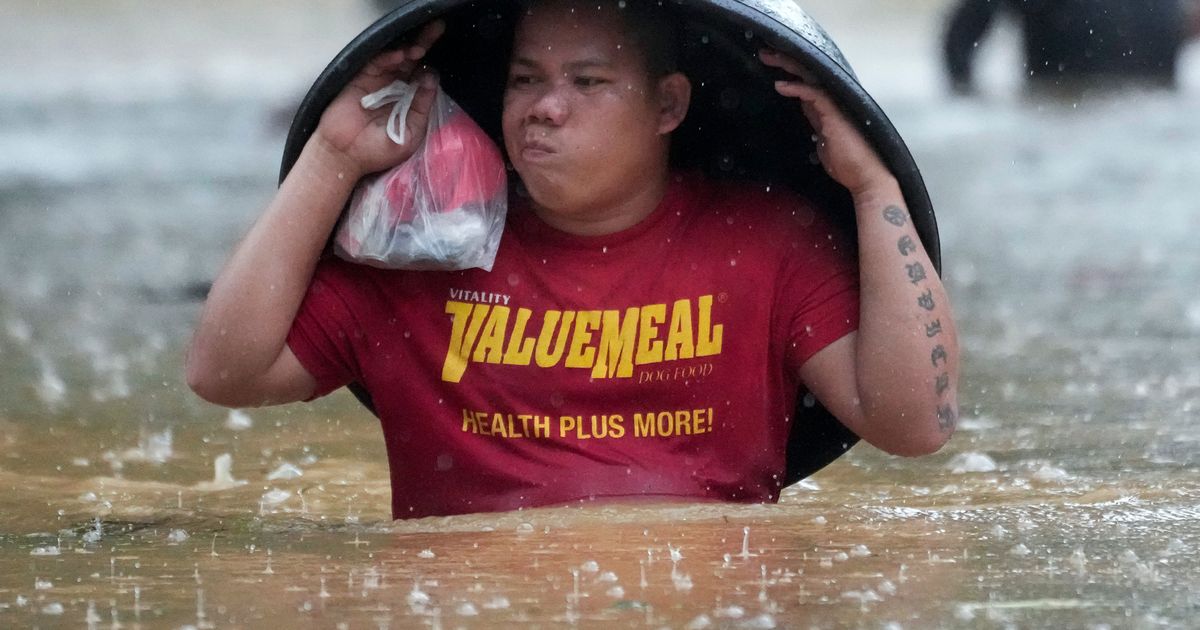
745 554
222 475
285 471
272 498
497 603
238 420
971 462
93 535
417 597
50 388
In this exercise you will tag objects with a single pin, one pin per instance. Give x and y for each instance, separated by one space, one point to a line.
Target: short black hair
655 31
650 24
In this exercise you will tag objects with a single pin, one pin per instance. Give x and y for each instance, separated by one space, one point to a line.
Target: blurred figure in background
1075 44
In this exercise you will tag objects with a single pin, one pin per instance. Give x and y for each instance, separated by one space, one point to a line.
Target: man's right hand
356 136
239 355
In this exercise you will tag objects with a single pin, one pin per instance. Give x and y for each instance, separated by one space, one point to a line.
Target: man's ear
674 98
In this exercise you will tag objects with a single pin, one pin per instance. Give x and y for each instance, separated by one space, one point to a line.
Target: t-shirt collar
528 223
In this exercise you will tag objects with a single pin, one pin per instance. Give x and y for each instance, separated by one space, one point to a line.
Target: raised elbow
200 380
921 443
926 436
208 380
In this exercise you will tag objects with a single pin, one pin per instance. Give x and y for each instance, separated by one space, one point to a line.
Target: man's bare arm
239 355
893 382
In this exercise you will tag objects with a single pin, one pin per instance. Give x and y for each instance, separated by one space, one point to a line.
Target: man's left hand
843 151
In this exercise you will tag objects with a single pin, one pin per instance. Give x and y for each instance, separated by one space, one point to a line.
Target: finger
398 64
797 89
422 105
429 34
817 106
776 59
388 62
383 69
817 97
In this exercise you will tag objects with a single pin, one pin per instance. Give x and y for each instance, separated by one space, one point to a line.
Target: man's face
581 116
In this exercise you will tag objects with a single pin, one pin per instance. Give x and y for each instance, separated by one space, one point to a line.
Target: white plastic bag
442 209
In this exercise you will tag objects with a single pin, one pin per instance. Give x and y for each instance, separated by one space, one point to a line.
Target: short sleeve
818 291
322 334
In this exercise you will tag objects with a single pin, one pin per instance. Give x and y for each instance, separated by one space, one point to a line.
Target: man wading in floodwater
643 334
1078 44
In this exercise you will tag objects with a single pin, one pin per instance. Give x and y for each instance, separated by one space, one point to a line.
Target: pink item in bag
459 168
443 208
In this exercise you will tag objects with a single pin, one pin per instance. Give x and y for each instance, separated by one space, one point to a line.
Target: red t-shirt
660 361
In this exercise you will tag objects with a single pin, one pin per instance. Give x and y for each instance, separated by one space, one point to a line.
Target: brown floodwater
1069 497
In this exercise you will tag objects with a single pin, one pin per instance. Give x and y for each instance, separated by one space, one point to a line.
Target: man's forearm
907 346
254 299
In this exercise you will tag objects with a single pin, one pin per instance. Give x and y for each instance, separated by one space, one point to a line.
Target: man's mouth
537 148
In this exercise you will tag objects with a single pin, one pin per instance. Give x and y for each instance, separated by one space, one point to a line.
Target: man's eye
589 81
518 80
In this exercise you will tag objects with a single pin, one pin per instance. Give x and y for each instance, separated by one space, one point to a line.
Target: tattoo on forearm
938 354
947 417
939 357
916 272
895 215
926 300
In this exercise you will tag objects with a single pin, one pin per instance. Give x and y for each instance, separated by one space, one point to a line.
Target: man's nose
551 106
